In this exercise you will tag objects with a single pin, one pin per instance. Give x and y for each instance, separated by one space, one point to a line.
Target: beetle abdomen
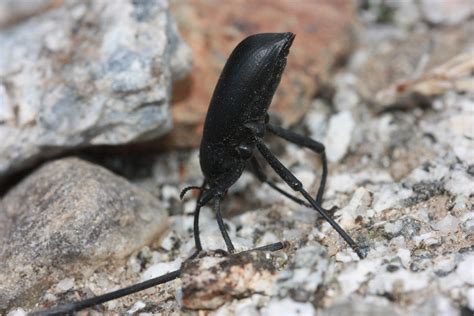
247 84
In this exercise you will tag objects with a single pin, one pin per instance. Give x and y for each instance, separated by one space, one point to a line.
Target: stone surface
65 220
209 281
324 35
86 73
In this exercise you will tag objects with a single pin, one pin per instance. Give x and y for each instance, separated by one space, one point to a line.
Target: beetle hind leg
309 143
296 185
259 173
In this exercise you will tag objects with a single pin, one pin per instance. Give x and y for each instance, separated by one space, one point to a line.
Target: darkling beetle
235 124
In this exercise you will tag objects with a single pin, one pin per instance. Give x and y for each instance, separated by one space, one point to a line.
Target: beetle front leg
197 238
220 222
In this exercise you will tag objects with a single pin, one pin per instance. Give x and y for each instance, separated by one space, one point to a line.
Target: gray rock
65 220
87 73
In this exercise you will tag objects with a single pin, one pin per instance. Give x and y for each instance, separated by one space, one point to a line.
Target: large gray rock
65 220
86 73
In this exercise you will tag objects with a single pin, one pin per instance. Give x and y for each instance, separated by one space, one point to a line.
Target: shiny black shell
243 94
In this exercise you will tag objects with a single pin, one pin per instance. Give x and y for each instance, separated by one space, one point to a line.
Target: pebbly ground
419 230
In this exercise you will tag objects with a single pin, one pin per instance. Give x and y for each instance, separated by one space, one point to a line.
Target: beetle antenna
186 189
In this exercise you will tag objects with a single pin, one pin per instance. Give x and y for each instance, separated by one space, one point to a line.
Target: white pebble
405 256
170 192
470 298
465 270
346 256
136 307
449 224
160 269
393 228
17 312
65 284
338 137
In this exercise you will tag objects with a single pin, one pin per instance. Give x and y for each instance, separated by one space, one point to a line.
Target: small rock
427 239
136 307
468 224
405 256
393 228
465 270
17 312
68 218
209 282
358 206
449 224
267 238
161 268
389 196
65 284
445 265
339 135
345 256
460 183
470 298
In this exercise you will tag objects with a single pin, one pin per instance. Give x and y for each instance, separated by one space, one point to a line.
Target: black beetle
236 122
235 125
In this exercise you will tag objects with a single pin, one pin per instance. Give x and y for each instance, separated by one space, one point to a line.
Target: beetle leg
296 185
197 239
71 308
220 222
309 143
258 171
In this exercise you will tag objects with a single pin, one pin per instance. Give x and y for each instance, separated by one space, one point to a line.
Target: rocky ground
397 119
